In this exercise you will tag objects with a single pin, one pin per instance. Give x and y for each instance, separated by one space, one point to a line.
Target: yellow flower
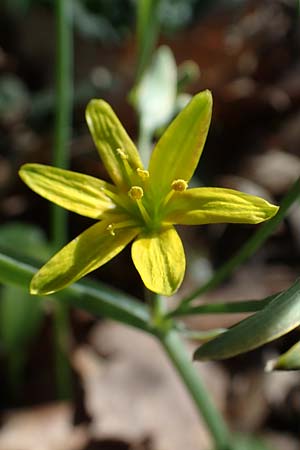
142 205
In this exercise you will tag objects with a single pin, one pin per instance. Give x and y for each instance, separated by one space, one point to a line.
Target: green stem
157 303
176 351
250 247
63 113
173 346
61 158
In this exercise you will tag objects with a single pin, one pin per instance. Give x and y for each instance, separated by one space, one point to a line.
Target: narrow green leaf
289 360
243 306
147 32
93 297
276 319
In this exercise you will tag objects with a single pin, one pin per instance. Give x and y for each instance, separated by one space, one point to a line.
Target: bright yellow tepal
141 205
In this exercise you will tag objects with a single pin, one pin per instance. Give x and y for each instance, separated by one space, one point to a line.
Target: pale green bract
141 205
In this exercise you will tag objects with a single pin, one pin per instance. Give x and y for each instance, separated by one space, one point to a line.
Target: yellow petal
216 205
90 250
177 153
110 137
160 260
71 190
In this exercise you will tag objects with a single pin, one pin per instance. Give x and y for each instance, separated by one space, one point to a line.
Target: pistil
116 226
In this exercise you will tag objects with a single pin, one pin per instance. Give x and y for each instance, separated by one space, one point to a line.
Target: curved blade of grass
276 319
95 298
289 360
147 30
243 306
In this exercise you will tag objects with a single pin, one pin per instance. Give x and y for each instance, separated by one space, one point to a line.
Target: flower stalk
61 158
181 361
63 108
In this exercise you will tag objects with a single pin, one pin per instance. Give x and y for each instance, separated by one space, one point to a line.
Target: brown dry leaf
135 393
41 428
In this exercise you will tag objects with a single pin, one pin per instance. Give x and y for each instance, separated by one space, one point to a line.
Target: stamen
143 174
136 193
179 185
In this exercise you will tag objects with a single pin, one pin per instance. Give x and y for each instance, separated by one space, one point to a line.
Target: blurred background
247 53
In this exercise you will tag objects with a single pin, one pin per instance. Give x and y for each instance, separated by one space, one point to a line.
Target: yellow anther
136 193
143 174
111 229
121 153
179 185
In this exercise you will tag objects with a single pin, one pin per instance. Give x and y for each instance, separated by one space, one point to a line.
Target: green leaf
289 360
94 297
109 135
88 251
217 205
147 32
276 319
74 191
159 258
180 147
243 306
